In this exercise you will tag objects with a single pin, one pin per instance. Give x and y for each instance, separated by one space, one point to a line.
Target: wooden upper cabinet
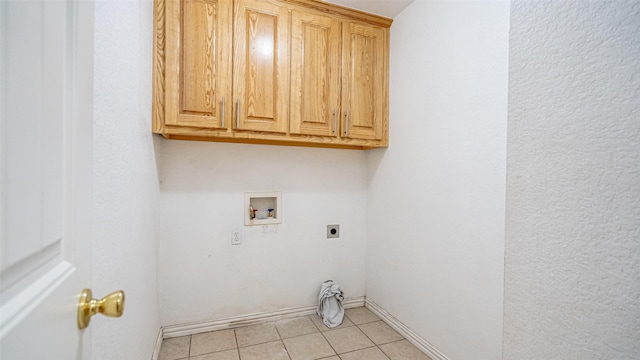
364 81
261 66
284 72
198 63
315 74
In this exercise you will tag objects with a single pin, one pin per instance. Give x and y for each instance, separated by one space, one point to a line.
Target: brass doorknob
111 305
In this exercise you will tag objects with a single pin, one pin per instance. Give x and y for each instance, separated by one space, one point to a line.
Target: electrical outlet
333 231
236 237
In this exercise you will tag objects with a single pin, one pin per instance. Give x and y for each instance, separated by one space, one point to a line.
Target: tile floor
362 336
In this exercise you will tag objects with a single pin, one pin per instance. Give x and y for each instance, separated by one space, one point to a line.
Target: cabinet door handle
335 121
237 113
222 111
346 123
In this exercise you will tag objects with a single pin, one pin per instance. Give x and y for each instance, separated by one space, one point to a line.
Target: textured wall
202 201
572 273
125 179
436 195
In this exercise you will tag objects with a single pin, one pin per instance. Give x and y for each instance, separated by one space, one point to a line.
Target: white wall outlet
236 237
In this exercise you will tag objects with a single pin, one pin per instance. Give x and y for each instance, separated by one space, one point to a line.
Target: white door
46 72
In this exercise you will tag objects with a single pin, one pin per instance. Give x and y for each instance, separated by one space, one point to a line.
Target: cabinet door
198 62
261 66
364 81
315 74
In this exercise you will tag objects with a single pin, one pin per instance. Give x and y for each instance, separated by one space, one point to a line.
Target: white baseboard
156 349
250 319
172 331
403 330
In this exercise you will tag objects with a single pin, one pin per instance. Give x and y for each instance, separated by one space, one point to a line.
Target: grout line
285 349
314 324
395 341
352 351
383 353
370 339
327 340
260 324
235 337
367 336
346 327
387 355
384 343
262 343
275 326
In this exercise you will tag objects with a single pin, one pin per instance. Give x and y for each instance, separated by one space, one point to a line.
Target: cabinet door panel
261 63
198 62
315 74
364 82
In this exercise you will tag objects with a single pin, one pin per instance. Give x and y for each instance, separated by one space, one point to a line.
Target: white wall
436 195
125 180
202 201
572 272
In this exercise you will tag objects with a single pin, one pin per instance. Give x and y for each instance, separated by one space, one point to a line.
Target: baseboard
156 349
250 319
167 332
403 330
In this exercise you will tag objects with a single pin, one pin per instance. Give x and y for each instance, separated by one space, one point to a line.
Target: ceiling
386 8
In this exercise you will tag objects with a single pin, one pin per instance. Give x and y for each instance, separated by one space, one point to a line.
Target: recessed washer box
262 208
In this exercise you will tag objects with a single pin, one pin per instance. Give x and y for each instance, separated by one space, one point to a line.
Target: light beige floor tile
296 327
175 348
308 347
403 350
222 355
331 358
380 333
365 354
256 334
212 341
347 339
361 315
269 351
318 321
